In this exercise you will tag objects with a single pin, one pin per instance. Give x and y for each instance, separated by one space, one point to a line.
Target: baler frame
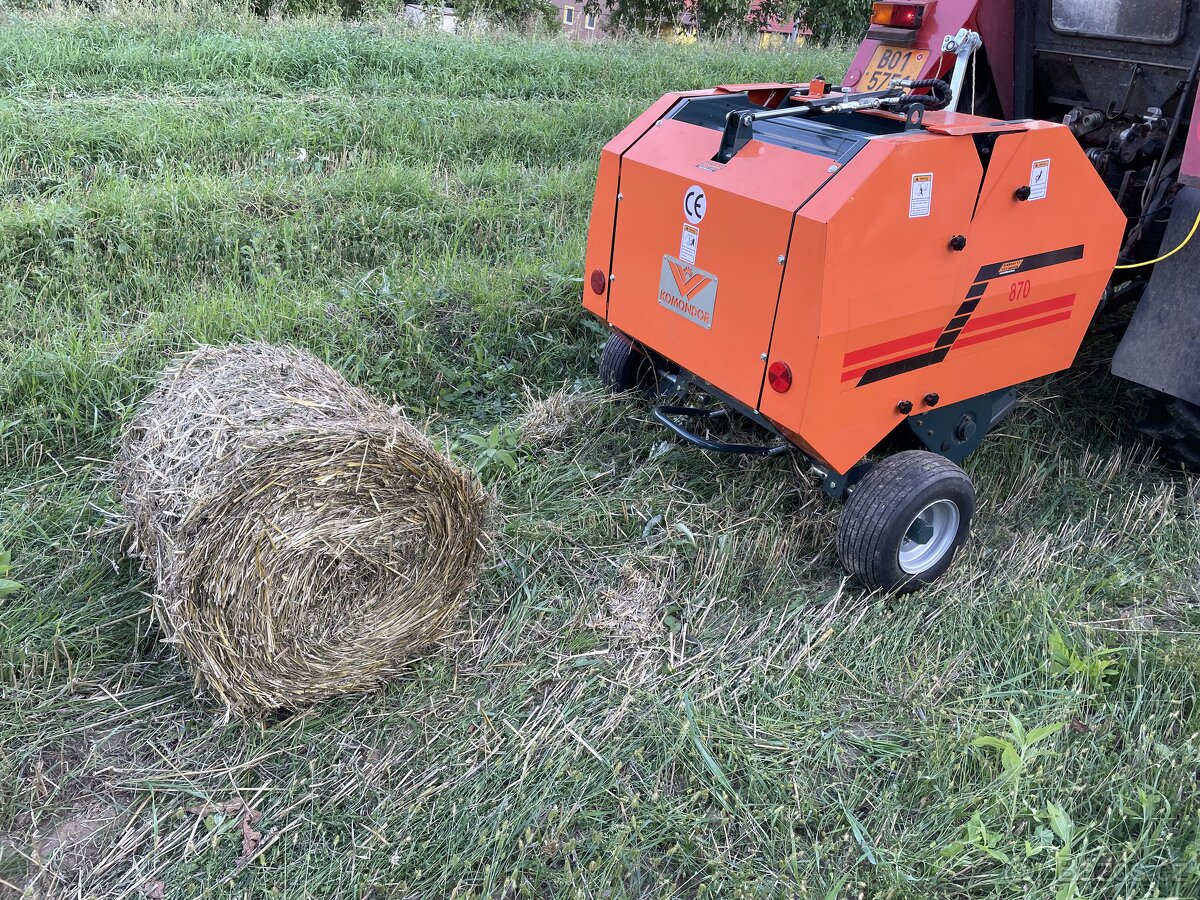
910 373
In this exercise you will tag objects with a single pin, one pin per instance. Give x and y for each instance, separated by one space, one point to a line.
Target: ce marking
695 204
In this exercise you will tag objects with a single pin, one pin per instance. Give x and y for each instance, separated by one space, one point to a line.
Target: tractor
879 263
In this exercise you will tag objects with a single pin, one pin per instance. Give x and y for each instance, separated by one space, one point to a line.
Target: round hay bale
304 540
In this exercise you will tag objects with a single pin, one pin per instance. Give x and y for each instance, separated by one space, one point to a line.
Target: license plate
892 62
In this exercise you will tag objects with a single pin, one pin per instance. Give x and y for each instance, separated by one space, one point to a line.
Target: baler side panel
897 281
797 322
744 230
800 316
1014 305
602 222
1039 266
601 225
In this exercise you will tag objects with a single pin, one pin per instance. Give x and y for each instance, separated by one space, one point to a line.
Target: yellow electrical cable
1165 255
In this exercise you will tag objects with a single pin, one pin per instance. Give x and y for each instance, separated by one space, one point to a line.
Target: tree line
829 21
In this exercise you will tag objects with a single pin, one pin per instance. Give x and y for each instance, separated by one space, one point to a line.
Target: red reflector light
779 376
598 281
897 15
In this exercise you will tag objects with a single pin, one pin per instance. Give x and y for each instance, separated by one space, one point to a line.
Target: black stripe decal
904 365
954 327
946 339
1029 263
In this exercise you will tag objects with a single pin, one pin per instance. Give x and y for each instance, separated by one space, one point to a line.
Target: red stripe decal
856 373
866 354
978 323
1011 329
921 343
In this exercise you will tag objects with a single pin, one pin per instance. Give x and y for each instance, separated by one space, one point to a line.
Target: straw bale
303 539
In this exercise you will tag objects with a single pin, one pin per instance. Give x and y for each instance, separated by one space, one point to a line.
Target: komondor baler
841 266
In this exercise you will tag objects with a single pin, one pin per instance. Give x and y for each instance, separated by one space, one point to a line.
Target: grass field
663 686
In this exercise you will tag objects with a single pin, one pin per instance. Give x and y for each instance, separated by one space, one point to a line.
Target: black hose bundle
940 97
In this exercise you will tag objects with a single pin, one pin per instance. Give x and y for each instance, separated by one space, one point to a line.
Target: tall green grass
663 687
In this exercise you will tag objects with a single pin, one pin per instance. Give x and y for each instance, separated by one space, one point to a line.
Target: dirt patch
72 847
70 813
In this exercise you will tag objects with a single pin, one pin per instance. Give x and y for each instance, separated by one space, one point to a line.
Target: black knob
904 406
958 242
932 399
1023 192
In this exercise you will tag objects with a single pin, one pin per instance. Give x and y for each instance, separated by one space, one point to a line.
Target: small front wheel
905 520
627 366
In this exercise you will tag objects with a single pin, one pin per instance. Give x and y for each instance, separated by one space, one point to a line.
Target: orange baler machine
833 270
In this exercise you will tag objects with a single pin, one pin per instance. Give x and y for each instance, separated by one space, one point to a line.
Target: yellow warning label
920 198
1039 179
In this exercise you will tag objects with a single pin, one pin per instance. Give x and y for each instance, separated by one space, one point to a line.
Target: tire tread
890 486
621 363
1175 425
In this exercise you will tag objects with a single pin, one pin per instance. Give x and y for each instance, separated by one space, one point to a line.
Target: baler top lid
830 137
809 119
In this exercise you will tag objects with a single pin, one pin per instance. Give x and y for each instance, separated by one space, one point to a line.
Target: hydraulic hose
939 98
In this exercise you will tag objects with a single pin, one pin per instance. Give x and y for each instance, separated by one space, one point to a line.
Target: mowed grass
663 686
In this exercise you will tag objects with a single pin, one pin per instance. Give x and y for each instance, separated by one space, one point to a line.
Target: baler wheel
904 522
1175 425
624 366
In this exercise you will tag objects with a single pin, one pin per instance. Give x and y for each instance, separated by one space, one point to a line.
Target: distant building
445 19
777 33
773 34
577 22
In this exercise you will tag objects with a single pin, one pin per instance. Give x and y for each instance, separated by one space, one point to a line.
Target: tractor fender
1161 347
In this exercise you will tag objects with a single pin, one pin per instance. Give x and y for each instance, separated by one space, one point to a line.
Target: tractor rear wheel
1175 425
905 521
625 366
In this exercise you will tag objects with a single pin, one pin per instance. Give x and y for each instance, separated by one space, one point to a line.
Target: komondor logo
687 291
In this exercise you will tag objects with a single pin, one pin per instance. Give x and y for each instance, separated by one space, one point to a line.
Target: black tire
883 509
1175 425
624 366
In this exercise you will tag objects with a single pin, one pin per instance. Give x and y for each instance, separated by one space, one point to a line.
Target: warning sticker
1039 179
689 243
920 198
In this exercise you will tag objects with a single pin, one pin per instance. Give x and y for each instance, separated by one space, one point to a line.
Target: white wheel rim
929 537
